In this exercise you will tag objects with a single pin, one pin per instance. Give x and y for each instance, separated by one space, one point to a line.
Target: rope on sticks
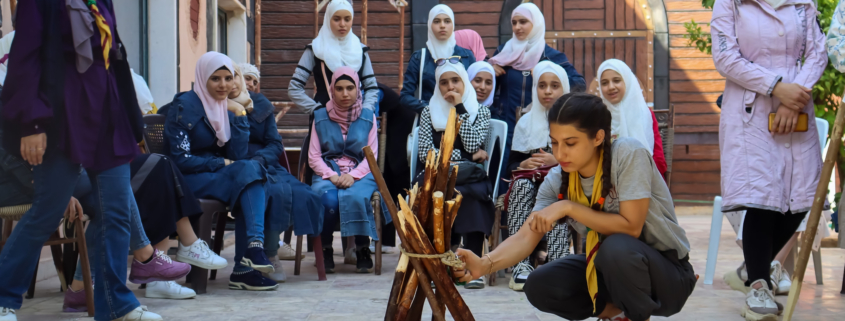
449 258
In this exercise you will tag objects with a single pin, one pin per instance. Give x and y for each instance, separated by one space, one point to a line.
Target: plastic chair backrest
498 132
823 126
415 151
154 134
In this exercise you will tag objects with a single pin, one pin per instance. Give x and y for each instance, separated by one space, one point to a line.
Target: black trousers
635 277
764 234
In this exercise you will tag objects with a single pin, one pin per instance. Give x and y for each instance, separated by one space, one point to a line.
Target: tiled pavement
350 296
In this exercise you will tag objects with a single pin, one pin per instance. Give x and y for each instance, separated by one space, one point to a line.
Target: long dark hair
589 115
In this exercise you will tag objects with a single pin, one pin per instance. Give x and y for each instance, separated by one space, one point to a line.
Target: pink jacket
754 46
346 163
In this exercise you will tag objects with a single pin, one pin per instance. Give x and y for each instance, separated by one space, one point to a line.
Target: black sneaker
365 261
251 281
328 260
256 259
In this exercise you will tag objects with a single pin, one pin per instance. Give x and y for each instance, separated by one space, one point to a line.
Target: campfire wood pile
424 225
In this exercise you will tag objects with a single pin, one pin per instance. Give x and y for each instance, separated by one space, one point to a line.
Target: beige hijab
243 98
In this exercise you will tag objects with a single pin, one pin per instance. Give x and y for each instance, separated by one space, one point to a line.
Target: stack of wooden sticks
424 225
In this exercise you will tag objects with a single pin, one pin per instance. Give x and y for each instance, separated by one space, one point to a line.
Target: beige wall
7 17
190 49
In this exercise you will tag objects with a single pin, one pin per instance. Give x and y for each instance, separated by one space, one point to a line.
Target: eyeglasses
452 60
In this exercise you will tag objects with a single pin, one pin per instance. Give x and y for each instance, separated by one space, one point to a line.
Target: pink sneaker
74 301
160 268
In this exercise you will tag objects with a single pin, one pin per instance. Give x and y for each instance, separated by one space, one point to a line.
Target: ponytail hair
588 114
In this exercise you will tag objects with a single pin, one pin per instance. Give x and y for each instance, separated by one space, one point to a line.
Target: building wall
190 48
7 16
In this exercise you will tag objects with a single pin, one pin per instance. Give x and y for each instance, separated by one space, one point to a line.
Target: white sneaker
780 279
169 290
279 274
139 314
286 253
7 314
736 279
199 255
760 303
519 276
384 248
350 257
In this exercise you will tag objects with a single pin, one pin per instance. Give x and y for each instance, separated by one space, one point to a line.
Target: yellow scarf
576 194
105 30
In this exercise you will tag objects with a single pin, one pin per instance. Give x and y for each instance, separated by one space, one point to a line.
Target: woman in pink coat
771 52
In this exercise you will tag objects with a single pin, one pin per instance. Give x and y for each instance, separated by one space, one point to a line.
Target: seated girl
620 90
613 193
475 216
208 139
342 175
481 77
288 199
532 151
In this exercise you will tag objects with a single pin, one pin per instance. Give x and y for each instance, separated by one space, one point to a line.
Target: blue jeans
249 223
137 237
55 180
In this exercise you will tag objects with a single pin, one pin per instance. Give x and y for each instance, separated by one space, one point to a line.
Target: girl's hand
73 209
785 121
474 266
33 148
236 108
499 70
345 181
335 179
793 96
453 97
546 158
480 156
531 163
544 220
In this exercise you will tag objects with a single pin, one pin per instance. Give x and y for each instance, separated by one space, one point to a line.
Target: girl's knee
330 201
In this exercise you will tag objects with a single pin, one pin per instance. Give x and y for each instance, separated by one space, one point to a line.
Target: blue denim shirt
408 97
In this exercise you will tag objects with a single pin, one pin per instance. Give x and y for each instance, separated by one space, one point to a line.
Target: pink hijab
469 39
344 116
524 54
216 110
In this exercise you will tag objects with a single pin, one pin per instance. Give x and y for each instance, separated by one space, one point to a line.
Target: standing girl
612 193
475 217
441 44
335 46
620 90
772 53
514 61
532 157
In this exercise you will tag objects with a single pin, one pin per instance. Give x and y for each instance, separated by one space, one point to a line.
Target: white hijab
532 130
440 49
483 66
631 117
337 52
524 54
439 108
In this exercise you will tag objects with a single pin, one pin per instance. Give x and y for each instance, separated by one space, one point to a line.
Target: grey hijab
82 27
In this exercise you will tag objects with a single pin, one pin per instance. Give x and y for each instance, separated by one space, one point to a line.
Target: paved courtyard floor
350 296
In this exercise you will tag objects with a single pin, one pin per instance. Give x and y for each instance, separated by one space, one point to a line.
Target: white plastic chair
498 133
716 222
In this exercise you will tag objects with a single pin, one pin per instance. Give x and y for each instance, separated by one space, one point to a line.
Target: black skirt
163 197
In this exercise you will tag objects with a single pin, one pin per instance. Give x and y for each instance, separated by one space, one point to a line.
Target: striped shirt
306 66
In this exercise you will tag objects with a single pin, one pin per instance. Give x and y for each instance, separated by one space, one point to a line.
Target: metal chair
9 214
154 143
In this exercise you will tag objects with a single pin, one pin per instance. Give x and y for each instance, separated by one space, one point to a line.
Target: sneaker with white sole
199 255
760 304
475 284
736 279
279 274
780 279
7 314
139 314
519 276
350 256
169 290
287 253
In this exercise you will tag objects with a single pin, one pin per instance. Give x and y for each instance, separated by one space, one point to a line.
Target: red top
659 157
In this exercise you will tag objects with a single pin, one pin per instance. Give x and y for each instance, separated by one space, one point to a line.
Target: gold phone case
803 120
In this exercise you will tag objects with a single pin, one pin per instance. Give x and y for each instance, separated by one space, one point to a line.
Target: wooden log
453 179
424 197
815 213
437 220
316 18
418 305
399 279
364 22
419 241
391 208
447 145
447 224
404 306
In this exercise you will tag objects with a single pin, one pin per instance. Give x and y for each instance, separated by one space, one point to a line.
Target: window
222 27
